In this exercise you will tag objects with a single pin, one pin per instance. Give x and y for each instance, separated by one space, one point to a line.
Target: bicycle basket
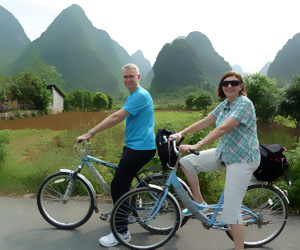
273 163
166 153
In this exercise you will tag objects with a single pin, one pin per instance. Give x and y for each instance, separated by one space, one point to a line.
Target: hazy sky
244 32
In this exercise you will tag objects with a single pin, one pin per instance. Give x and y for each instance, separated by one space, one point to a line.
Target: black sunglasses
233 83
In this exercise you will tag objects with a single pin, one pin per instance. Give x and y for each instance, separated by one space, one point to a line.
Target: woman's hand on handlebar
178 135
188 148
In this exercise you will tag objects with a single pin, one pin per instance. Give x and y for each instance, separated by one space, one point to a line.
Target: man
140 148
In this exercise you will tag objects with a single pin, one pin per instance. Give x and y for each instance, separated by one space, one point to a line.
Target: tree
203 101
189 102
290 105
4 89
110 101
100 100
79 100
31 91
264 94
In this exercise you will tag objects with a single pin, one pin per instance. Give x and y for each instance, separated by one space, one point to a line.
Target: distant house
57 104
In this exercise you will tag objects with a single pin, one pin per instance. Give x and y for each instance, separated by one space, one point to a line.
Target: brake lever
195 152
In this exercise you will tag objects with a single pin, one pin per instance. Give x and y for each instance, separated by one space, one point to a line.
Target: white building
57 104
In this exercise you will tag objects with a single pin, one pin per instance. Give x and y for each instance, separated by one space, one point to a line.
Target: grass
34 154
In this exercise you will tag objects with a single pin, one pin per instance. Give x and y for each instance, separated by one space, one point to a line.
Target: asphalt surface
23 228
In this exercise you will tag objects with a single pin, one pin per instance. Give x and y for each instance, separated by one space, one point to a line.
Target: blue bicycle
157 214
67 199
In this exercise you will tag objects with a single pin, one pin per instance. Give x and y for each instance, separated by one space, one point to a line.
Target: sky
248 33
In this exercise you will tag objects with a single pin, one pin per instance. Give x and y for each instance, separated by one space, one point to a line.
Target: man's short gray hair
131 66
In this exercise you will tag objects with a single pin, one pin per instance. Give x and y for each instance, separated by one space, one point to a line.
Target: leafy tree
4 89
110 101
264 94
189 102
203 101
87 100
290 105
79 100
100 101
30 90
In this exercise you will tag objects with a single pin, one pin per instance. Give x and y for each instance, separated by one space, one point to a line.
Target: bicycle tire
271 206
62 214
140 204
160 180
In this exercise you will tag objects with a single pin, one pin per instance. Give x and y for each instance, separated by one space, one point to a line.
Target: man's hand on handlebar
84 137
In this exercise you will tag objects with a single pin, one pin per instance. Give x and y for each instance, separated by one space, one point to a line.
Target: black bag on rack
273 163
165 153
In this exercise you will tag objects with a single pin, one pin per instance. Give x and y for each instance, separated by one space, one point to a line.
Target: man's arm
108 122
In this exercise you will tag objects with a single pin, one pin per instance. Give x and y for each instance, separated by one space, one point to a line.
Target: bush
4 139
294 190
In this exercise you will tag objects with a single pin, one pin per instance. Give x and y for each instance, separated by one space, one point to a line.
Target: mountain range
287 61
89 59
13 39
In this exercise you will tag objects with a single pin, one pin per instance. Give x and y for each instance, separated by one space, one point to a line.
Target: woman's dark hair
228 74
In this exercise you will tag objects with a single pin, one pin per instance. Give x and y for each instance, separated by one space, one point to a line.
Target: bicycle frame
87 161
191 205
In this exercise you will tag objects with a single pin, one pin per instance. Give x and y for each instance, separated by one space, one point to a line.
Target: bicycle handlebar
86 143
174 139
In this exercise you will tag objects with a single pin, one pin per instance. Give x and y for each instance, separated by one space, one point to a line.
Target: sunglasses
232 83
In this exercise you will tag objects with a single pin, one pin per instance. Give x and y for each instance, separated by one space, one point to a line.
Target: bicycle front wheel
134 212
270 205
60 212
160 179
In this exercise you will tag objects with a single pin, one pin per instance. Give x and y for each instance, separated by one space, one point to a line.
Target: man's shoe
186 212
110 240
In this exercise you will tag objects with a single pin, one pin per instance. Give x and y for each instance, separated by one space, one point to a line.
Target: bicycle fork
69 189
73 176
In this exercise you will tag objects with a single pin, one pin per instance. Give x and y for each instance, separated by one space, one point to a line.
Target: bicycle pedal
104 217
131 219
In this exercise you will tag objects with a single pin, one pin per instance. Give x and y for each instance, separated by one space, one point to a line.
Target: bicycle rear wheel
61 213
160 180
271 206
133 212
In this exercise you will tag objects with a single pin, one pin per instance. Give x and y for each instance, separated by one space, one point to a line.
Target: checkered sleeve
244 111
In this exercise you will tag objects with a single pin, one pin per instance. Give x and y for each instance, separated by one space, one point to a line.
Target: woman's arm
224 128
197 126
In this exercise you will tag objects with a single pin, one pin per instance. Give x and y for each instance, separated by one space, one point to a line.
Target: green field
34 154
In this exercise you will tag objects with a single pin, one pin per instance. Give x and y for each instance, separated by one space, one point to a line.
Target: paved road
23 228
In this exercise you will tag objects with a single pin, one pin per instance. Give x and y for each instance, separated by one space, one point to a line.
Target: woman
237 150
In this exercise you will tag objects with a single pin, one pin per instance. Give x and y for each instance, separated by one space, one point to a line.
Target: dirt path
54 122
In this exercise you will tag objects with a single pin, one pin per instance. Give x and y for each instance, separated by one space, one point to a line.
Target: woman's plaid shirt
239 144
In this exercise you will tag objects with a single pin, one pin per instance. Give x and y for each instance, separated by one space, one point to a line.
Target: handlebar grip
195 152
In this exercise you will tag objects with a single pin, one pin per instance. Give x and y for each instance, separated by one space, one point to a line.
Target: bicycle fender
185 186
84 179
273 185
283 193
